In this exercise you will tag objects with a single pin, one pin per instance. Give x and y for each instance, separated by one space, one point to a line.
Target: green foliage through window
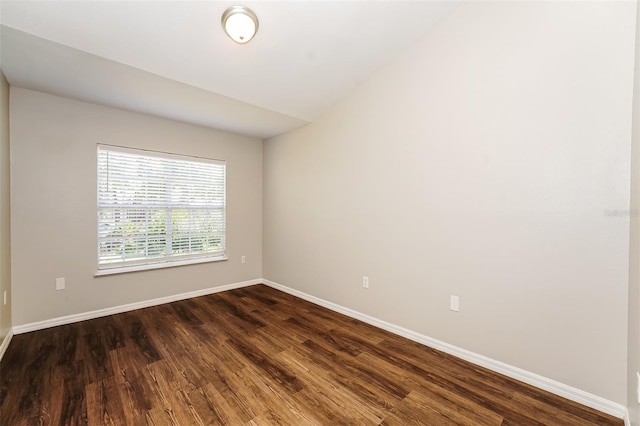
156 207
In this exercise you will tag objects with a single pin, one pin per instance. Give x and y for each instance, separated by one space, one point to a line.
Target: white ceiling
172 58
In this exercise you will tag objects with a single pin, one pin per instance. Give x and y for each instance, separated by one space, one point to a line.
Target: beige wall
53 206
633 353
5 218
480 163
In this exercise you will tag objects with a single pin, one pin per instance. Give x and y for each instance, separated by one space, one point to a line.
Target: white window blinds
157 208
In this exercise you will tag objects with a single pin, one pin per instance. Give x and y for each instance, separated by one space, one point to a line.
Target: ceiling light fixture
240 23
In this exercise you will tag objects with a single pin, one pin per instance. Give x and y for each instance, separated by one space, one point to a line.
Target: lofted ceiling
172 58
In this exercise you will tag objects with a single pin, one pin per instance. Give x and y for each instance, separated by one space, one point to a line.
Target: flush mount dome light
240 23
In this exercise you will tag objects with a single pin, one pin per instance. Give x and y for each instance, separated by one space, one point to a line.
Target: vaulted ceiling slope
172 58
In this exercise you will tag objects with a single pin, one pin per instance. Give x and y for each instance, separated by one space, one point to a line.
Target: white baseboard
566 391
5 343
68 319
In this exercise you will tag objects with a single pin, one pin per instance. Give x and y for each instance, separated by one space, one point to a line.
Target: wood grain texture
256 356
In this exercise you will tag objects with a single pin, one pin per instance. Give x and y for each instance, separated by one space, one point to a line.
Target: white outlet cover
638 387
454 303
60 284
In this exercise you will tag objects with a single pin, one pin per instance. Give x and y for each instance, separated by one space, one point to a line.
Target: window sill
148 267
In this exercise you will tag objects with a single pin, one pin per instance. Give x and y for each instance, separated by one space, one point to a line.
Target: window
157 209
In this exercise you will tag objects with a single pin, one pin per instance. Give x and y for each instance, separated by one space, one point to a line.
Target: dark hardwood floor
256 356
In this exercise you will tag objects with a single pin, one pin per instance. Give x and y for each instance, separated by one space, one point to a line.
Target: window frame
166 261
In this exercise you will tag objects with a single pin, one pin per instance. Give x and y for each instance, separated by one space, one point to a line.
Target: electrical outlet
454 303
638 387
4 297
243 259
60 284
365 282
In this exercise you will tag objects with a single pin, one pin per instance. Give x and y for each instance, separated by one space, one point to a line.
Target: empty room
320 212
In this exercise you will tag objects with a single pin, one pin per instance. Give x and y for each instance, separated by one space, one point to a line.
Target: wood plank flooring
256 356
